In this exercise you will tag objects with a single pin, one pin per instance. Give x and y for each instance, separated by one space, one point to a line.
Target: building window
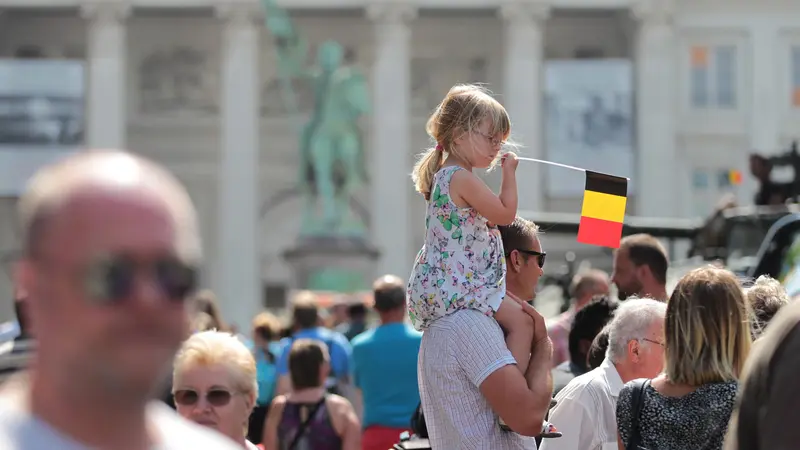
713 83
795 76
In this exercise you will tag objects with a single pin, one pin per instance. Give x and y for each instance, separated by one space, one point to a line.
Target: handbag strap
301 430
637 401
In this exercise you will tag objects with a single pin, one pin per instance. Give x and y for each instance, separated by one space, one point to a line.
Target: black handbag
418 440
637 400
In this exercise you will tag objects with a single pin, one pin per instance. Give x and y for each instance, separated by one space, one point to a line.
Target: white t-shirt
19 430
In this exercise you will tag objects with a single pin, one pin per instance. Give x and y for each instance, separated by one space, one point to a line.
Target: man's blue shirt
385 369
339 350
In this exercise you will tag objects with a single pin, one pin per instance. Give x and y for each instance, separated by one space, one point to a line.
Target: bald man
111 249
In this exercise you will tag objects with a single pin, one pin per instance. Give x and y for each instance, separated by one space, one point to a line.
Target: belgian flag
603 211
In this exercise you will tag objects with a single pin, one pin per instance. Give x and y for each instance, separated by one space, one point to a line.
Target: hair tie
439 147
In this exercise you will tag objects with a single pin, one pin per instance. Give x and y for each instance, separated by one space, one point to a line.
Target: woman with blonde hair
214 383
707 340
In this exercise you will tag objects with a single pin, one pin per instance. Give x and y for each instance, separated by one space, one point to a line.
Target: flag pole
564 166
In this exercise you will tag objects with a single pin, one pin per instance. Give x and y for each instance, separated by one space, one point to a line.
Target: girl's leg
519 329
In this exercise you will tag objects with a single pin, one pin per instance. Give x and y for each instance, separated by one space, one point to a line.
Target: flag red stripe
604 233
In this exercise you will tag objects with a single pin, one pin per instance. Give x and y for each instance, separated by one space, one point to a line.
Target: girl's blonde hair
707 328
461 111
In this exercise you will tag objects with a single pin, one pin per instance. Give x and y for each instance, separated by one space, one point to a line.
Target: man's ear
633 350
514 260
643 272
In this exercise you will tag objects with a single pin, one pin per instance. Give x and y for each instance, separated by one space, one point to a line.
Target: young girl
462 263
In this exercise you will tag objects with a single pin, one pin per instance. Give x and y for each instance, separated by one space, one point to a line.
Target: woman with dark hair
309 417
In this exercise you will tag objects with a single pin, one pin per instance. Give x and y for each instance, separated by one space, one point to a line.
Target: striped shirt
458 352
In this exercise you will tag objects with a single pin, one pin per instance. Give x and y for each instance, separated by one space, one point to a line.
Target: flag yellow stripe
598 205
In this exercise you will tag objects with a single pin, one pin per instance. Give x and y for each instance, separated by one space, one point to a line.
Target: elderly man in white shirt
586 408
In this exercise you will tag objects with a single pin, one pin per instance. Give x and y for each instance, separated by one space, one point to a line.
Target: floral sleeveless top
461 264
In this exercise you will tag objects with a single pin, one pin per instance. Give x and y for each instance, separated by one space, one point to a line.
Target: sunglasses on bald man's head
540 256
113 279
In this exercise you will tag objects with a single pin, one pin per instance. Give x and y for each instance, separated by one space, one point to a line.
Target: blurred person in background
214 383
385 367
766 297
708 339
306 323
337 313
589 321
640 268
583 288
206 302
203 322
308 417
356 320
110 254
266 349
586 408
597 351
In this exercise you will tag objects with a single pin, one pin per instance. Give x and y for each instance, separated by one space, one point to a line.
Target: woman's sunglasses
214 397
111 280
540 256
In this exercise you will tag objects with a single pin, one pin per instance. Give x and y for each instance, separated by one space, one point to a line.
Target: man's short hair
518 234
305 310
588 322
631 321
766 296
645 250
586 282
389 293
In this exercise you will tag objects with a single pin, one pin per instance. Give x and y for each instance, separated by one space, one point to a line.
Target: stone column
391 149
522 91
106 123
239 251
656 94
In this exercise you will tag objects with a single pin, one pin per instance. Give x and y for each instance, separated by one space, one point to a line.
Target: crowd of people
120 350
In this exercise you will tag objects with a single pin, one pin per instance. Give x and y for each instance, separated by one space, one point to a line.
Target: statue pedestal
338 264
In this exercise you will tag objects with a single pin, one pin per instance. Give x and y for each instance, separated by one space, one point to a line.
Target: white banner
588 122
41 116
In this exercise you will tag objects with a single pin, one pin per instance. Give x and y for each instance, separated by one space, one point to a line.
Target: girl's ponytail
424 170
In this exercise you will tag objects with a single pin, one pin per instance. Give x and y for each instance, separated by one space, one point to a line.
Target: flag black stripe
606 184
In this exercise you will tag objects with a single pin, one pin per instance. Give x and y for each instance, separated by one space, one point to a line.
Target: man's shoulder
332 336
583 386
181 433
363 339
465 330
